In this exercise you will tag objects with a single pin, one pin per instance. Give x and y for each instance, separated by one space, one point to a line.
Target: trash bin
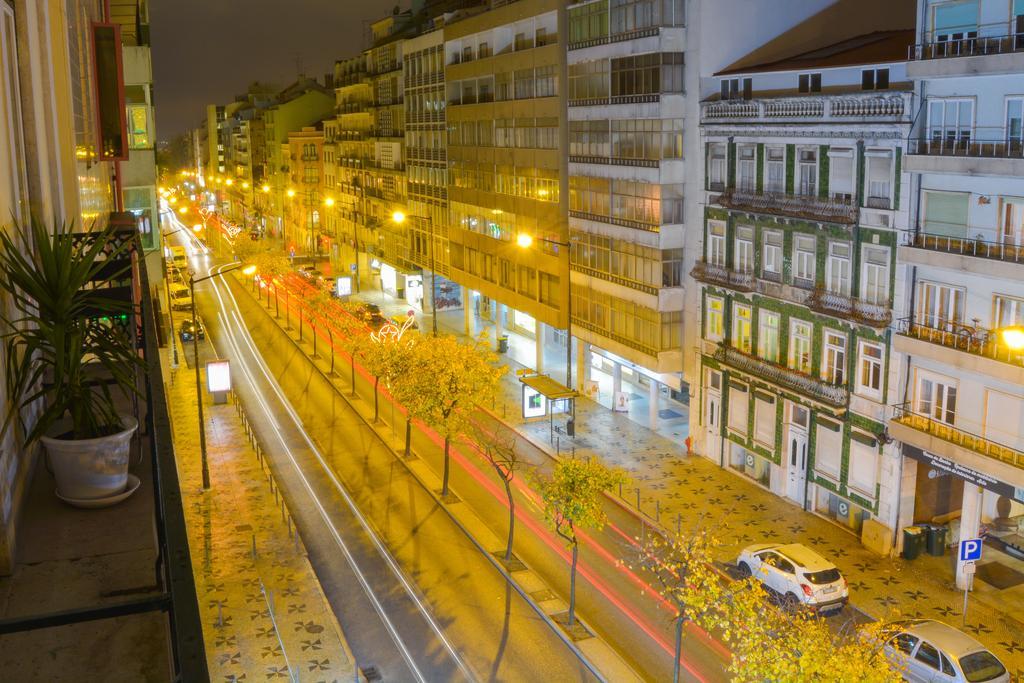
936 540
913 542
503 344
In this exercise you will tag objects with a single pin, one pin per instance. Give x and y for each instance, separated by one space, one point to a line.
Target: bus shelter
544 397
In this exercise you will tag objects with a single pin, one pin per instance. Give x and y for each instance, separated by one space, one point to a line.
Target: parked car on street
181 297
924 650
190 328
796 575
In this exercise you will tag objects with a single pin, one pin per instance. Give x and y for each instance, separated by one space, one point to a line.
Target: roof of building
869 48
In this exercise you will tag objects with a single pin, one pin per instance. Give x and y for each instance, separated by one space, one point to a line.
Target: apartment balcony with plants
975 37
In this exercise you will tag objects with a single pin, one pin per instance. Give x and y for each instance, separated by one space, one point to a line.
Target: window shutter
764 421
863 473
945 213
828 450
956 17
841 171
739 406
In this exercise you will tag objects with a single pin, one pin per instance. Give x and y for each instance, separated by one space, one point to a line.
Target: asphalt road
414 597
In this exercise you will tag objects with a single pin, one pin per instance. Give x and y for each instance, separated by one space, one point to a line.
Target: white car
923 650
796 574
181 297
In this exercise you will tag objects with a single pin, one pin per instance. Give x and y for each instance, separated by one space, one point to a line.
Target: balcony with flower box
831 394
956 442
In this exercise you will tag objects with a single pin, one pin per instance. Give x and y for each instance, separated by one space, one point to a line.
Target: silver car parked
927 651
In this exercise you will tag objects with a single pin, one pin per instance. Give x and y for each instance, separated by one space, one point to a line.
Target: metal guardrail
905 414
984 142
966 246
971 46
973 339
833 394
810 207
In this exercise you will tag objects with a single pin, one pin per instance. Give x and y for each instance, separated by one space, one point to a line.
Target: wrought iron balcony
1000 251
973 339
832 394
832 210
986 142
846 306
905 414
971 46
725 277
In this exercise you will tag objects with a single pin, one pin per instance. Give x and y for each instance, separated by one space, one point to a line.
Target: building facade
626 171
805 201
960 411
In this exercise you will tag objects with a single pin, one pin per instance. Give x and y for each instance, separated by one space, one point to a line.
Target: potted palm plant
69 353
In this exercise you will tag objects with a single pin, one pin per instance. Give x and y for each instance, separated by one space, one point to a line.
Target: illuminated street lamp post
399 217
525 240
192 280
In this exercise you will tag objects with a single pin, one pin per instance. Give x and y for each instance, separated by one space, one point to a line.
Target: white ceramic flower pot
91 469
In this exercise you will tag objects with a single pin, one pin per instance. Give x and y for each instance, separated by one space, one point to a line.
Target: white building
961 422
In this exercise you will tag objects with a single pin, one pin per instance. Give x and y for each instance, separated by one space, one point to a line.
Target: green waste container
503 344
913 542
936 541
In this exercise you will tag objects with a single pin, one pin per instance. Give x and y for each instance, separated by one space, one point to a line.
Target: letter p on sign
970 549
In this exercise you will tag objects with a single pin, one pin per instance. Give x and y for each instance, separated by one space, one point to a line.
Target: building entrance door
797 464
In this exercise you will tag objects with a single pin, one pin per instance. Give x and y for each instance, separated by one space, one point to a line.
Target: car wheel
790 601
744 570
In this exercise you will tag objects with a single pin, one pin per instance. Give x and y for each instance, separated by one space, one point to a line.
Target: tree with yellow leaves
447 379
574 500
388 355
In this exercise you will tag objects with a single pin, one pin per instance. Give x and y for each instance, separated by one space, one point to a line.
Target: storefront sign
969 475
343 286
534 404
218 376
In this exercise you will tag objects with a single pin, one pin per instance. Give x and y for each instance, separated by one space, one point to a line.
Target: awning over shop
547 387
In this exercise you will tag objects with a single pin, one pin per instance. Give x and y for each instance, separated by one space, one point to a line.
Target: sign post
970 552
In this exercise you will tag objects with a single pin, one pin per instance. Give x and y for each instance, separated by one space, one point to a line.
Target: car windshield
981 666
822 577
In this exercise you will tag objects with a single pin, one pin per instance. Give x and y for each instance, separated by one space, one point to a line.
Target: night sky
207 51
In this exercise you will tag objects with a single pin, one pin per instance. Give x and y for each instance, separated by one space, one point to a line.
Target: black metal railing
810 207
969 46
174 578
905 414
833 394
965 246
969 338
984 142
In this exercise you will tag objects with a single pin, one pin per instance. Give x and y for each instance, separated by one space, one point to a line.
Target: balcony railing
973 339
970 46
1000 251
846 306
981 142
832 394
725 277
906 415
813 106
833 210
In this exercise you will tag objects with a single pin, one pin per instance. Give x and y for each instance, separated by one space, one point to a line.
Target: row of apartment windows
803 260
940 306
523 35
527 281
842 169
521 133
529 183
650 139
424 62
622 77
425 102
796 345
629 323
599 20
742 88
627 260
627 200
499 225
521 84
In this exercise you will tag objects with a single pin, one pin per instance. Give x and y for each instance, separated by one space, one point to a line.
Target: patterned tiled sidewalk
264 617
684 487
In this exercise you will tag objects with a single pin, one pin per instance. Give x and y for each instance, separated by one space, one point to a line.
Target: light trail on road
389 559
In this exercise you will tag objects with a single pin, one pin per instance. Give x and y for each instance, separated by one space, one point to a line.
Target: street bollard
638 500
620 489
657 510
679 524
254 547
220 616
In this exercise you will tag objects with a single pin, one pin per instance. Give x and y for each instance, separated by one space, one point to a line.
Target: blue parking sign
970 549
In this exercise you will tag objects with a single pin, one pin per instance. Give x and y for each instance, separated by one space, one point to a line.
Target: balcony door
1013 223
954 24
940 307
1015 121
936 399
950 121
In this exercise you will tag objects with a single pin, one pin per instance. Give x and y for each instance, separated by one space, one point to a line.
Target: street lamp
525 241
399 217
192 280
1013 337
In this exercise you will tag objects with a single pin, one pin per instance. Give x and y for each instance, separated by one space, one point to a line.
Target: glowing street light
245 186
398 217
198 227
183 210
1013 337
290 193
524 240
329 202
229 182
265 188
